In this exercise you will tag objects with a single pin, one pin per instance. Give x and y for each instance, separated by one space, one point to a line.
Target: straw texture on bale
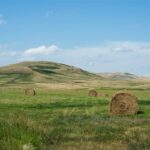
30 92
124 104
93 93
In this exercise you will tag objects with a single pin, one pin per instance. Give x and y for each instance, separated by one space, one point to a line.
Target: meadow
67 119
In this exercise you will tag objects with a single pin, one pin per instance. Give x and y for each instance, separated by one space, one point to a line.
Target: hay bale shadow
140 112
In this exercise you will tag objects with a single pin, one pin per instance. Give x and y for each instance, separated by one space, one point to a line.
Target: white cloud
104 50
8 53
108 48
127 46
41 50
2 21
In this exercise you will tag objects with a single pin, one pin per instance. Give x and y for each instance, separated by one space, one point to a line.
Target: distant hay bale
124 104
30 92
103 95
92 93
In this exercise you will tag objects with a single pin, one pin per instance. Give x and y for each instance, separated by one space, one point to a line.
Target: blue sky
96 35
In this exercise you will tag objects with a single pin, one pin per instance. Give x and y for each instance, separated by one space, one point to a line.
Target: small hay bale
93 93
30 92
124 104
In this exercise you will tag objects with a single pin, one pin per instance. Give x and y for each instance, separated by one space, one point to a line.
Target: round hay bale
93 93
124 104
30 92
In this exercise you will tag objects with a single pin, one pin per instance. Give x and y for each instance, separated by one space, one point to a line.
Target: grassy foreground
70 120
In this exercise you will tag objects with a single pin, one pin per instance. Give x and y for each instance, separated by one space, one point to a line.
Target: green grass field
70 120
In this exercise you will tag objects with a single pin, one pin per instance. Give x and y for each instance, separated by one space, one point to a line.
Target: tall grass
70 120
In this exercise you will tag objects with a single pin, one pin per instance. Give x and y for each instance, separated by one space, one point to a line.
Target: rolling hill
118 76
43 72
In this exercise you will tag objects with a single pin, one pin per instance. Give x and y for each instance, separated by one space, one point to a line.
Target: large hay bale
93 93
124 104
30 92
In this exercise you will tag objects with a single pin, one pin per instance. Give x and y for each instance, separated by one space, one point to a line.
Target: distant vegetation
43 72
